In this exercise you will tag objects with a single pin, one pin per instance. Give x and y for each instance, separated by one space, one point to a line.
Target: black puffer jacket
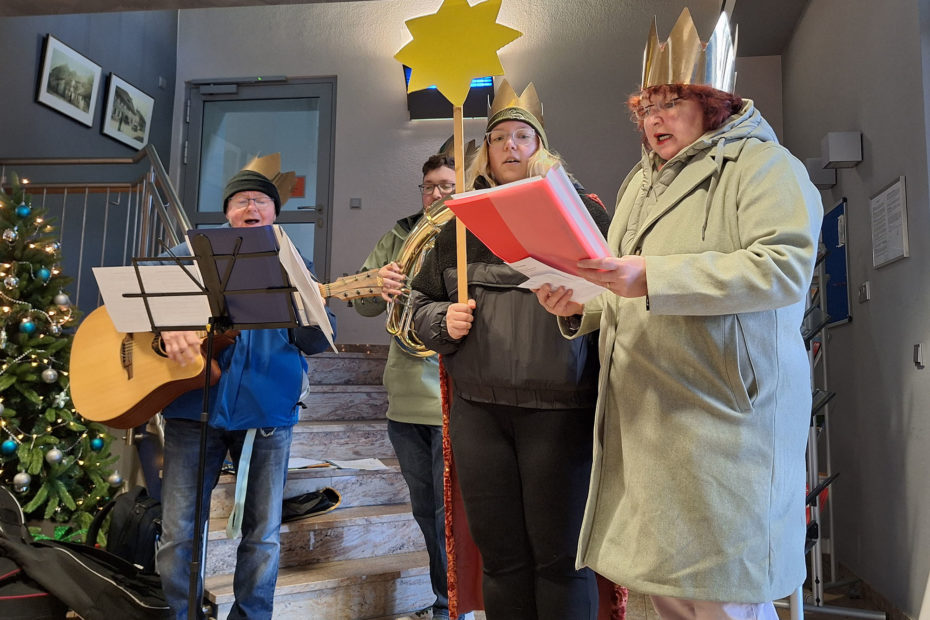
514 353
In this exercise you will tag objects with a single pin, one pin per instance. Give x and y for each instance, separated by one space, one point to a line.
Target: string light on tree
45 446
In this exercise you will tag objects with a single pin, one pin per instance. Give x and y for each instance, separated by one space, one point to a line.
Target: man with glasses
414 406
253 408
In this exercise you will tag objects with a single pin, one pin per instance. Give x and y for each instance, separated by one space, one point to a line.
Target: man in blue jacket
255 402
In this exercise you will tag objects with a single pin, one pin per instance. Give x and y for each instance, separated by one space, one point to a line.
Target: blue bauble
8 447
27 326
23 210
96 444
44 274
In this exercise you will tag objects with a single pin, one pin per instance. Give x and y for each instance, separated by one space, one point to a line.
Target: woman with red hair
697 487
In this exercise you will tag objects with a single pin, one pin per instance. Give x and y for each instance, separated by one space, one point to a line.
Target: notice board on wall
835 288
888 210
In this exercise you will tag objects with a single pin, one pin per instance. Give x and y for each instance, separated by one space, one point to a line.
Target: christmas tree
58 464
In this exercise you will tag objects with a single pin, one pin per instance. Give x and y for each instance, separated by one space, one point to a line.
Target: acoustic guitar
122 380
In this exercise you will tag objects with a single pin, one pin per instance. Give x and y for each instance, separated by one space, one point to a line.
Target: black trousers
524 477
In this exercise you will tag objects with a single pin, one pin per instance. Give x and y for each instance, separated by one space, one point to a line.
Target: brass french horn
418 243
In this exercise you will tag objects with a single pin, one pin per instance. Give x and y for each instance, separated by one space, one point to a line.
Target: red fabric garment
464 560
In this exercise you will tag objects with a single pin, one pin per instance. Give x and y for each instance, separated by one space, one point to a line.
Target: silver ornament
2 338
21 482
53 456
50 375
114 479
10 235
61 299
54 329
2 408
11 282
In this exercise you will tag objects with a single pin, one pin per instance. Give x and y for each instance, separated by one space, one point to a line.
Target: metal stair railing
109 222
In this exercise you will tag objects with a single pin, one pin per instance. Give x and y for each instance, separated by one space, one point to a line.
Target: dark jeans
524 477
259 550
419 450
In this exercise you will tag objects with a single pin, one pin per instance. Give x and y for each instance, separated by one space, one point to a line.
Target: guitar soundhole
158 345
125 355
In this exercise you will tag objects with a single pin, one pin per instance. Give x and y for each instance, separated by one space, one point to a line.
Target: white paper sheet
359 464
296 462
541 273
128 313
311 309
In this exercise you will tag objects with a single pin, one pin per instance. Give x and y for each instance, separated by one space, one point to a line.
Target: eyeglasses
242 202
525 136
666 107
444 188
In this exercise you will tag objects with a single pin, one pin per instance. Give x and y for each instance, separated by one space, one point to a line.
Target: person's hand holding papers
624 276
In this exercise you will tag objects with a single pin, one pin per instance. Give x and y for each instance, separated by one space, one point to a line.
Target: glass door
230 122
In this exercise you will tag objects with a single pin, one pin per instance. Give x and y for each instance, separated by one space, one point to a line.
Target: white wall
856 65
584 57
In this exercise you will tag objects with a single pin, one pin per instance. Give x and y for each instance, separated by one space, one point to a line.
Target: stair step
341 440
345 402
357 487
344 533
356 367
343 590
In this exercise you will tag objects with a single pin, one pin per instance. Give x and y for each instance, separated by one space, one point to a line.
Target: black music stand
232 262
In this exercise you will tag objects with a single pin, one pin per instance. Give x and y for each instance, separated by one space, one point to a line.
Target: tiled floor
849 594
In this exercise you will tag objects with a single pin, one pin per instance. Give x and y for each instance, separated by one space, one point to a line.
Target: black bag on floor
94 583
21 598
135 527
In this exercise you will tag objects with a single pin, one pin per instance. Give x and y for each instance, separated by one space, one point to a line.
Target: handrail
159 182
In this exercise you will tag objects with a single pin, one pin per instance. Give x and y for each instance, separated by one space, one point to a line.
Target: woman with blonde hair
522 396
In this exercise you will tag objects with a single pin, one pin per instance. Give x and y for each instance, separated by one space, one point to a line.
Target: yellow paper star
455 45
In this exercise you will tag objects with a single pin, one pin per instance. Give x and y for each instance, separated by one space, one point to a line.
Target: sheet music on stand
172 296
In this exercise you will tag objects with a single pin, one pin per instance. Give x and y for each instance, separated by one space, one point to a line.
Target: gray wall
856 65
139 47
584 57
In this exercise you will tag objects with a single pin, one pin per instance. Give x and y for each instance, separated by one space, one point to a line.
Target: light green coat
698 484
412 383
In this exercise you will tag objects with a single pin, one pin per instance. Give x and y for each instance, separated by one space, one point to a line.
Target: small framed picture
69 82
128 115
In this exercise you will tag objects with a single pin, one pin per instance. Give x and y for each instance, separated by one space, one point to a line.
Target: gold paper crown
269 166
507 106
684 59
471 149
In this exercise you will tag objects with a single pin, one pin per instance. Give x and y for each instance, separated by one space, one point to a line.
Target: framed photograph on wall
69 82
128 113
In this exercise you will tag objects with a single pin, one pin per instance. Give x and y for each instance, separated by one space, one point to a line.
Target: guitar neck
364 284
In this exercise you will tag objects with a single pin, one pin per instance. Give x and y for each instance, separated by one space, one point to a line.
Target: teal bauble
23 210
8 447
44 273
96 444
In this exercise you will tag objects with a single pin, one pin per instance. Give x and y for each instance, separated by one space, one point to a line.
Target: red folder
539 217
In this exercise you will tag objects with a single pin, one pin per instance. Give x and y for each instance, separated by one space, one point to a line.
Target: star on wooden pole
449 49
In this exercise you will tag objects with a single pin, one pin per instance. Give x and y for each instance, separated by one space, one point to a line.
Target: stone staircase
363 560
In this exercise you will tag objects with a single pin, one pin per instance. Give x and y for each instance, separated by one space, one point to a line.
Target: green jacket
698 484
412 383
